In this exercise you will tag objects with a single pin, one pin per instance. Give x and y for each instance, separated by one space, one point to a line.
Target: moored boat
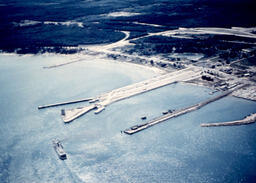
165 112
144 117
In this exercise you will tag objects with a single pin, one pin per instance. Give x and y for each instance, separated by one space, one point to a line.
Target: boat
99 109
134 127
144 117
63 112
59 149
165 112
93 100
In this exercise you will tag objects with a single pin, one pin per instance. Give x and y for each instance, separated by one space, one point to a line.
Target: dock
116 95
138 128
64 103
247 120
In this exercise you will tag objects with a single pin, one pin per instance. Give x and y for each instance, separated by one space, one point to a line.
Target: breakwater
137 128
247 120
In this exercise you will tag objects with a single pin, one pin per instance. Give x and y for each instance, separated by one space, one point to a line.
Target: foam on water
122 14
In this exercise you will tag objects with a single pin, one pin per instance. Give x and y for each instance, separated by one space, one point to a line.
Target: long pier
64 103
62 64
247 120
105 99
138 128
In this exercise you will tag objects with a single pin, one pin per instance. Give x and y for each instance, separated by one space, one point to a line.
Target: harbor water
178 150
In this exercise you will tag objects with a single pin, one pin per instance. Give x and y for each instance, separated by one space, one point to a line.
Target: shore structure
137 128
247 120
101 101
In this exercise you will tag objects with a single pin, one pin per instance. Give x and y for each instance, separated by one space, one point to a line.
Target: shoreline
81 57
78 57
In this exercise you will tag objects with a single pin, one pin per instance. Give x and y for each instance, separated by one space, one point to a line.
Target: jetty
100 102
247 120
64 103
138 128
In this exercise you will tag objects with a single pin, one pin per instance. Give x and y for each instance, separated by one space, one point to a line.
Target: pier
138 128
62 64
247 120
101 101
64 103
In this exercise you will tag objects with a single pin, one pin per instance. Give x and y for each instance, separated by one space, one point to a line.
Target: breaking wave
121 14
24 23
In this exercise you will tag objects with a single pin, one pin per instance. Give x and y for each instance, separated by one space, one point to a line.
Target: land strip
105 99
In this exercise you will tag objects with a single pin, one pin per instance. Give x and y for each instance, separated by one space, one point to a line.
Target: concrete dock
135 89
137 128
247 120
70 115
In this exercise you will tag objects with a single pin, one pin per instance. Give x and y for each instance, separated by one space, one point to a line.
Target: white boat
99 109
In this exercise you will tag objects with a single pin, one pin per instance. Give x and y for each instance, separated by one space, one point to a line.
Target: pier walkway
105 99
137 128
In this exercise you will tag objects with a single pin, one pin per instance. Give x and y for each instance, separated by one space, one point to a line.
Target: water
178 150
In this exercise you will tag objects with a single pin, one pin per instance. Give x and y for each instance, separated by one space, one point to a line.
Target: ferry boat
59 149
